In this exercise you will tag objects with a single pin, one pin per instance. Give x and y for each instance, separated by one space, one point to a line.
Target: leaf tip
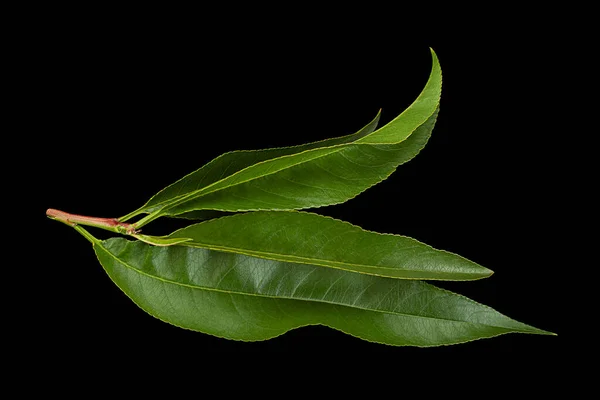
434 57
538 331
481 273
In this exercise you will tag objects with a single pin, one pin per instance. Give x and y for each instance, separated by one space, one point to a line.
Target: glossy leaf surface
309 238
258 274
246 298
314 175
232 162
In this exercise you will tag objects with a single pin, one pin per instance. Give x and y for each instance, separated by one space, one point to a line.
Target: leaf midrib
127 265
301 260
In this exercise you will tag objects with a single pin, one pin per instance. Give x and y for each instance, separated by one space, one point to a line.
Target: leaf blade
246 298
308 238
231 162
316 176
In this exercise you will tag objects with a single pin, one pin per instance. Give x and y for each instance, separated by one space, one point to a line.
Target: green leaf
315 175
232 162
257 275
245 298
308 238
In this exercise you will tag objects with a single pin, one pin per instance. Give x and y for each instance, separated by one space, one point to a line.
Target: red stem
111 224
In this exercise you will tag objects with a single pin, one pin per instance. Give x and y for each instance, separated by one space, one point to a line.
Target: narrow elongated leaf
327 173
232 162
245 298
308 238
314 178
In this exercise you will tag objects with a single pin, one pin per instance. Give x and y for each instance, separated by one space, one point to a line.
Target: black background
127 105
